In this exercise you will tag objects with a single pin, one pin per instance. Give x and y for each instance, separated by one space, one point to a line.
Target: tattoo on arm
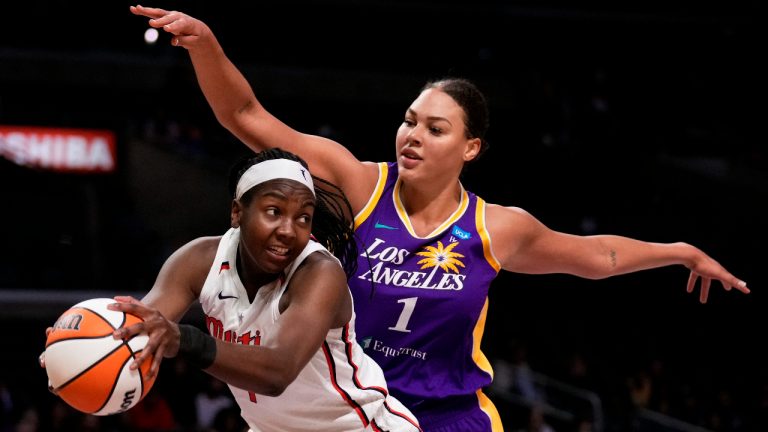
613 258
245 107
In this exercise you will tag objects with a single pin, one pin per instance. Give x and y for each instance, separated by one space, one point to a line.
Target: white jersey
340 389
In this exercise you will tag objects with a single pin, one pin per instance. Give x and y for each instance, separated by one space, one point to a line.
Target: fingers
156 360
185 29
742 286
183 41
130 305
126 333
160 18
41 360
154 350
692 282
705 283
127 299
148 12
51 389
145 353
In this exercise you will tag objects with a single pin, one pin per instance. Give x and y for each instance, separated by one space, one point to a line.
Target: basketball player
433 247
277 307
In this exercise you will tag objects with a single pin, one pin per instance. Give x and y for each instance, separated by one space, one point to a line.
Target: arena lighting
150 36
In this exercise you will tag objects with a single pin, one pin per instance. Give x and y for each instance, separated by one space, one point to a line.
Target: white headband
270 170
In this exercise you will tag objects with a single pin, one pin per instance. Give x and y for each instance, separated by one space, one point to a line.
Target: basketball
87 367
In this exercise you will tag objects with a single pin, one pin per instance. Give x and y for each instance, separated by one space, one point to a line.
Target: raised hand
186 31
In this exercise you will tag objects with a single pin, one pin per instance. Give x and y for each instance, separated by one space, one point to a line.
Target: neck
253 279
427 208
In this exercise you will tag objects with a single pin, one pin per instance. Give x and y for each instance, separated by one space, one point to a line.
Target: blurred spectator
229 420
640 389
536 421
6 407
210 401
181 384
152 414
29 421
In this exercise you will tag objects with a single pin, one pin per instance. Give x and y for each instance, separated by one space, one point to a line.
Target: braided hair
332 225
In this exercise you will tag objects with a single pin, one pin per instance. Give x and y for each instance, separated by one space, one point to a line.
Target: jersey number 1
402 323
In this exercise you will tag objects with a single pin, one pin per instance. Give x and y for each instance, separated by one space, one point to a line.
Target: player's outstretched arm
236 107
524 245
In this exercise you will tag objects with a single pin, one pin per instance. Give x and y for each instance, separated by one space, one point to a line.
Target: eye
435 130
271 211
305 219
409 122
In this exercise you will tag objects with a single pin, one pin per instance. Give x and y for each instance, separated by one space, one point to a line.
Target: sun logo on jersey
441 257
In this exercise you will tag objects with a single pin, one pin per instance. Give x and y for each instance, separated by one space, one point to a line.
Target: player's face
275 226
432 142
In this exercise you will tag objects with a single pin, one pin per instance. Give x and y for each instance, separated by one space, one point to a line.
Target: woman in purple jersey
425 241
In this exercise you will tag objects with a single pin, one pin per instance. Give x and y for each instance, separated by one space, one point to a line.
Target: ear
235 213
472 149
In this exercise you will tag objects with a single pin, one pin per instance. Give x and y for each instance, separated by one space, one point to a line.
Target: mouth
410 154
278 250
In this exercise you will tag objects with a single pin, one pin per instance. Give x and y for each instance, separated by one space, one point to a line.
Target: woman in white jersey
278 309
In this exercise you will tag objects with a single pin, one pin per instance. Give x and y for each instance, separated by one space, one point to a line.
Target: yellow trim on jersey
482 362
477 335
483 232
490 409
407 221
375 196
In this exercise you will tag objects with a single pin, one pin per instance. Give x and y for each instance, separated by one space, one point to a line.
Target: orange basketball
88 368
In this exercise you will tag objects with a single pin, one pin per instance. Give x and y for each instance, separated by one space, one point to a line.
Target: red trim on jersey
342 392
348 344
348 349
375 427
401 415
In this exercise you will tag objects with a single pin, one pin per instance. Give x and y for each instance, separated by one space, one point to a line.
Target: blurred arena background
644 119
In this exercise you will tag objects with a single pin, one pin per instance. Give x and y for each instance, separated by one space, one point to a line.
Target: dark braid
332 224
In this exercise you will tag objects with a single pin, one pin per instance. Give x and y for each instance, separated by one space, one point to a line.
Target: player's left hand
163 333
707 269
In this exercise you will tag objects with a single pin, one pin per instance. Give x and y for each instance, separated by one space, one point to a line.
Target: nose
414 135
286 229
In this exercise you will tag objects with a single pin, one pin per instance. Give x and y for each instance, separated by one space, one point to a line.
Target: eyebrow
430 118
282 196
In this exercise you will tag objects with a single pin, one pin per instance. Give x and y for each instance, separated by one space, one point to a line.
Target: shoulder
360 183
186 270
319 283
510 228
319 268
198 253
499 217
203 246
320 261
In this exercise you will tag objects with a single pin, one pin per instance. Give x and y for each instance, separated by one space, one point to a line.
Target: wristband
197 347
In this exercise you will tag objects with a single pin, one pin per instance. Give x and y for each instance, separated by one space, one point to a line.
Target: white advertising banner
60 149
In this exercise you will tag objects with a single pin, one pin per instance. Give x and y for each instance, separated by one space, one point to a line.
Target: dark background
643 119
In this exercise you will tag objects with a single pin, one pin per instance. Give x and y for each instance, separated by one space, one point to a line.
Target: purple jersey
421 302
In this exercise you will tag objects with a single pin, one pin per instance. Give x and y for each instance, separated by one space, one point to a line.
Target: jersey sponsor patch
460 233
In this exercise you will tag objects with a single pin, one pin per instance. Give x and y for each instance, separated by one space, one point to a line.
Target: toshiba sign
57 149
